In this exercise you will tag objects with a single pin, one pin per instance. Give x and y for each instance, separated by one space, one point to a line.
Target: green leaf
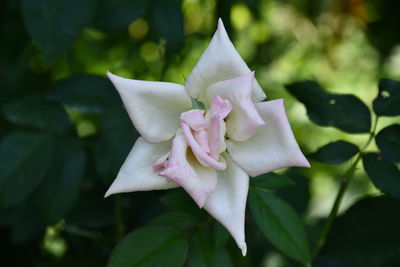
21 213
116 14
61 187
345 112
179 200
87 93
168 20
367 235
55 24
280 224
117 136
151 246
387 103
384 174
203 252
35 112
388 141
24 160
271 181
176 219
335 153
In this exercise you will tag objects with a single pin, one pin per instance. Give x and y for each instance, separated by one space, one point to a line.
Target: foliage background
64 132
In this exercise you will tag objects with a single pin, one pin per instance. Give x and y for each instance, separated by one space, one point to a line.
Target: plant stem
342 189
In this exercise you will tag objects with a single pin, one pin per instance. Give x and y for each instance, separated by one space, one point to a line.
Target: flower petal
154 107
184 169
272 147
137 173
227 203
220 61
244 119
215 119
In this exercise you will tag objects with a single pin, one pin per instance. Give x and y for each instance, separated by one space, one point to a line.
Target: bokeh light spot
150 51
240 16
138 29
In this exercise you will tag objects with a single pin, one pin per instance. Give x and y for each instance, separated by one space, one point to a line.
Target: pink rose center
204 133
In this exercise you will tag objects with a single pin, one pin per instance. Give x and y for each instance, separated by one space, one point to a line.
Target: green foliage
384 174
387 103
368 234
345 112
168 20
55 25
34 111
280 224
87 93
388 141
64 175
24 158
151 246
335 153
117 14
271 181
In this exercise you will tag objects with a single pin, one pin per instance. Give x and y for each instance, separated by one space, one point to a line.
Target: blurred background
64 132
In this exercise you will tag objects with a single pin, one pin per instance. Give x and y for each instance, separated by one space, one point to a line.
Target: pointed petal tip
305 163
109 74
243 248
108 193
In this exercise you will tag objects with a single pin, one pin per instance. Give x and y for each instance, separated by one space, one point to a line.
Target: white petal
228 202
137 173
183 168
272 147
220 61
244 120
154 107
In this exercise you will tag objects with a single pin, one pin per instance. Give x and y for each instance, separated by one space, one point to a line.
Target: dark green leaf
271 181
61 187
335 152
176 219
151 246
24 161
179 200
204 254
168 19
34 111
345 112
388 141
387 103
116 14
298 196
117 136
280 224
20 214
384 174
55 24
87 93
367 235
92 211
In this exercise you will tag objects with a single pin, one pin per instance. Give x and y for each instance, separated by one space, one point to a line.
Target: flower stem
342 189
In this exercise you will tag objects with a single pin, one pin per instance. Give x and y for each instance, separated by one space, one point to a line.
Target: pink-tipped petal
154 107
272 147
137 173
228 202
220 61
220 108
244 119
194 118
200 154
184 169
